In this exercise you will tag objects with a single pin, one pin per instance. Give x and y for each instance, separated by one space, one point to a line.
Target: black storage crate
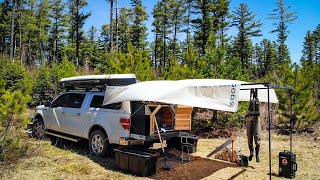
287 164
136 161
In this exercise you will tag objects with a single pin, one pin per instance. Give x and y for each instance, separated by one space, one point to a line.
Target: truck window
70 100
97 102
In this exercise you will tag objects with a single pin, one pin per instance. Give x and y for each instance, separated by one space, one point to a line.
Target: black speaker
287 164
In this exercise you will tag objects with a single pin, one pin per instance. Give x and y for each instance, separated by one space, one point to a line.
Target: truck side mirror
47 104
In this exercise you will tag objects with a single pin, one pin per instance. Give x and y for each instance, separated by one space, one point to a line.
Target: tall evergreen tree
266 57
58 29
162 30
43 23
316 35
176 10
31 32
124 29
139 28
248 27
188 4
105 36
284 17
202 23
12 28
309 48
77 21
4 26
220 20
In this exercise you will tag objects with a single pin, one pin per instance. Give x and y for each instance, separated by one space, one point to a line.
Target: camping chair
186 144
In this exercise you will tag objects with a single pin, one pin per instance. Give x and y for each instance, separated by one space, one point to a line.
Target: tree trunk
55 49
20 41
175 33
164 37
28 62
111 26
77 34
117 28
12 31
155 51
188 26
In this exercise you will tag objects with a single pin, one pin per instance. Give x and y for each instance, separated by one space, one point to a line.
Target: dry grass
71 161
306 149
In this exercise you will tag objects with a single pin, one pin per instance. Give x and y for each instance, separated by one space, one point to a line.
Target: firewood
228 158
224 158
227 154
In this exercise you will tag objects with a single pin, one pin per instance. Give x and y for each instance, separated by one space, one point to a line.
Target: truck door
71 120
53 116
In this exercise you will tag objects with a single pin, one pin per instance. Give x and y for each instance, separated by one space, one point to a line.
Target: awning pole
269 116
291 122
153 115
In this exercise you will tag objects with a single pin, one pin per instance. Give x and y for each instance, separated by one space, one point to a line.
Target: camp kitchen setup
161 109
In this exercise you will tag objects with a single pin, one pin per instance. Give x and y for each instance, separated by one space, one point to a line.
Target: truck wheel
99 144
38 129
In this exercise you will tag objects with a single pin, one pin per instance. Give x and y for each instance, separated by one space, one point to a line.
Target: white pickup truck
80 114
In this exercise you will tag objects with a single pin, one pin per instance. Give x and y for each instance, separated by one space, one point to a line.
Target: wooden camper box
178 118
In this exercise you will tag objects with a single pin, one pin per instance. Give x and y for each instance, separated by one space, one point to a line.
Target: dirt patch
198 168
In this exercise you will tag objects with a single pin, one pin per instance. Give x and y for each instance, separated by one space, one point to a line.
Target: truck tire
38 129
99 144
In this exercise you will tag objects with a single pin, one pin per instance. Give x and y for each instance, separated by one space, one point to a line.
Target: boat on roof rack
97 81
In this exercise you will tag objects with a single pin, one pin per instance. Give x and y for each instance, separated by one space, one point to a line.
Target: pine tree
135 61
191 57
105 36
213 65
162 31
186 19
4 26
266 57
12 28
244 20
139 28
43 23
220 20
284 17
176 10
202 24
76 24
176 71
31 33
57 29
124 29
309 48
90 51
316 35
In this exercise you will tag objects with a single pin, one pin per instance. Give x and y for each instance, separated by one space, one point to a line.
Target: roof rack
97 81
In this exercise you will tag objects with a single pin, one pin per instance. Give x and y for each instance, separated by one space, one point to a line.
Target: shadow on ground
82 148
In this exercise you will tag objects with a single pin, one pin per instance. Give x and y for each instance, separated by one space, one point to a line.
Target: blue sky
308 18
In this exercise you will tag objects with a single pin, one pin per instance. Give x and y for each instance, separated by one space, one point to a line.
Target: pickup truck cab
80 114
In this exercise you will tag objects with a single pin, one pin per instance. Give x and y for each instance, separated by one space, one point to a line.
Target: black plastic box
287 164
136 161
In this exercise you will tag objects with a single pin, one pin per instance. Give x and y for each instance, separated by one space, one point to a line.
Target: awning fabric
217 94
